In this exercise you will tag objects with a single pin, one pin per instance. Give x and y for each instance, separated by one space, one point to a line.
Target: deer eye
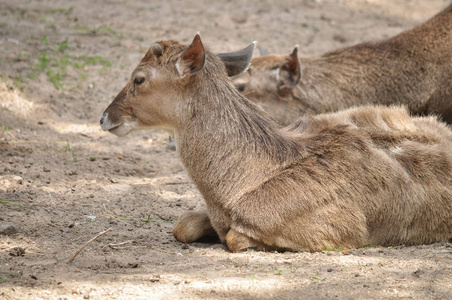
138 80
240 87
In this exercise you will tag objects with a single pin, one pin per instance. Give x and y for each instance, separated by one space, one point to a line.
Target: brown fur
413 69
198 220
363 176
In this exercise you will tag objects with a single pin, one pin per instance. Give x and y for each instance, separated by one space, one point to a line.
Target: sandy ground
63 180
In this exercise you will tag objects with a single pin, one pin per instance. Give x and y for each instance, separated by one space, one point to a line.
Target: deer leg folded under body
192 226
238 242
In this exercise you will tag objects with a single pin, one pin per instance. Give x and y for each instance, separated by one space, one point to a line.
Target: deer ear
157 50
239 61
192 59
290 72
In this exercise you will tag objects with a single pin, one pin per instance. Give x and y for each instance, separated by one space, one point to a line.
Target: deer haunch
369 175
413 69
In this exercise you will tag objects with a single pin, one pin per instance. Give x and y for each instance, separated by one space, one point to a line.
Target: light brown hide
362 176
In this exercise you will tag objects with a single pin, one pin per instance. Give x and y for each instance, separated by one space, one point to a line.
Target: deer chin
118 128
124 128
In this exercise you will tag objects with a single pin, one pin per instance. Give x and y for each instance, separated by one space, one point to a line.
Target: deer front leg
238 242
192 226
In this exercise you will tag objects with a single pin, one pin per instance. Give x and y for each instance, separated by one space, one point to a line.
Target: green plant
19 83
23 54
317 277
252 278
57 59
55 78
61 10
338 249
67 148
74 156
32 150
43 62
3 129
83 76
277 272
13 203
91 60
62 46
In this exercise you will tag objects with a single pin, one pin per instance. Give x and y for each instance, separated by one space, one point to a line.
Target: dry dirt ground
63 180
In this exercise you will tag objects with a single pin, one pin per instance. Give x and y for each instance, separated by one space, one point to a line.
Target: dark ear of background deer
363 176
413 69
238 62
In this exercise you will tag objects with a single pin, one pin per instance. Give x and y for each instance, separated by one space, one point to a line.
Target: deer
413 68
370 175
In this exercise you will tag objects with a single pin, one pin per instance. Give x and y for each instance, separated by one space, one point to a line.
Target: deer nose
103 118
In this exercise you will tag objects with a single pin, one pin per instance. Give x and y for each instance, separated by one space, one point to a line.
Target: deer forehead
145 71
268 62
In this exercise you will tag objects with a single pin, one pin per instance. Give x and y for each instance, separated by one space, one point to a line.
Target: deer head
154 96
270 74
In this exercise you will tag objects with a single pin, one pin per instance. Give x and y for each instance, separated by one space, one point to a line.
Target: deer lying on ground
363 176
413 68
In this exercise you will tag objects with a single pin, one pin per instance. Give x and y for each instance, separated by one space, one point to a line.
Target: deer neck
228 145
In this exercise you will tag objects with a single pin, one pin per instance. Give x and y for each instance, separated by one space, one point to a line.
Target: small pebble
17 251
171 144
8 228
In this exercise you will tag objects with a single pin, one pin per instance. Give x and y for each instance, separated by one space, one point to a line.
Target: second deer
413 69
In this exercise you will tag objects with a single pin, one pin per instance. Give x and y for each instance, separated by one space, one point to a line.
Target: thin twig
87 243
116 246
11 135
157 173
119 244
36 253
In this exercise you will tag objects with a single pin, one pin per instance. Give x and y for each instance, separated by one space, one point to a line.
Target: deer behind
413 69
369 175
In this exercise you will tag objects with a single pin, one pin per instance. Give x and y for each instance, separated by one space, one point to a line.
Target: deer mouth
119 129
122 129
111 127
107 125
